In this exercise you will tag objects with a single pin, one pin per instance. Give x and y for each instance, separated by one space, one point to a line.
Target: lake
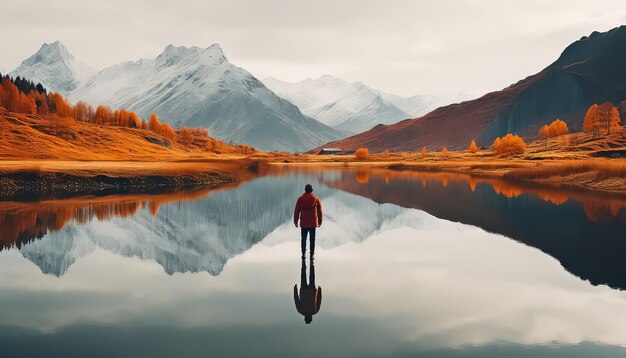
410 264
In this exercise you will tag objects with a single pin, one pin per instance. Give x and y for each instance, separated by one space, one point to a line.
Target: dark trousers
303 282
311 232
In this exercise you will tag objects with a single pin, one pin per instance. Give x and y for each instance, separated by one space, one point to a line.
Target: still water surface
411 264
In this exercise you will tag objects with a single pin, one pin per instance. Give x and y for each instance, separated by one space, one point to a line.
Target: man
309 301
309 211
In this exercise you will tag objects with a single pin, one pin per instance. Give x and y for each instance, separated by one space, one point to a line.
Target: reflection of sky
416 282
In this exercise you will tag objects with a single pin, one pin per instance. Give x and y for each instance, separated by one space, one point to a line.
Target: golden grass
601 167
32 137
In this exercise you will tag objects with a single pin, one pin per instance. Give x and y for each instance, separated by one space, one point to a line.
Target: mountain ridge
352 106
190 86
590 70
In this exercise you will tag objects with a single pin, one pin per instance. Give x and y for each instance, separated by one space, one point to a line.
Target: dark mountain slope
591 70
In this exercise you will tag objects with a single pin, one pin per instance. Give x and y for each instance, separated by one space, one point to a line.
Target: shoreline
607 176
36 179
40 180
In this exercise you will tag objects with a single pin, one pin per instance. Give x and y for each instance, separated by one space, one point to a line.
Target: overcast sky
403 47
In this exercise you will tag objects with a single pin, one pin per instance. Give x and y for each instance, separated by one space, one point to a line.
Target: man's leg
303 275
312 241
303 240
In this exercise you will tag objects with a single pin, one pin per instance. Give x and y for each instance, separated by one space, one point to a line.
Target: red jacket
308 210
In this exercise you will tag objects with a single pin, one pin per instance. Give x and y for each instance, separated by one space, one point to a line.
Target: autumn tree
42 107
424 152
362 153
591 123
167 131
185 136
59 106
554 129
154 123
510 144
83 112
613 120
14 100
496 143
604 116
104 115
133 120
444 152
473 148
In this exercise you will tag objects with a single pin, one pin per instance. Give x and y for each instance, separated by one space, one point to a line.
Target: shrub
473 148
362 153
510 144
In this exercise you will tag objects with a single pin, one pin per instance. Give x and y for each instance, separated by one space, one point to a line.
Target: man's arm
296 299
296 212
319 213
318 300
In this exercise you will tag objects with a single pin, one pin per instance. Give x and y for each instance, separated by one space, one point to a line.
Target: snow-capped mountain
354 107
201 88
55 68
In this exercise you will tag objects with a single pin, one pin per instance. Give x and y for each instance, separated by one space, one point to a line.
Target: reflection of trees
551 219
597 208
22 222
602 211
361 176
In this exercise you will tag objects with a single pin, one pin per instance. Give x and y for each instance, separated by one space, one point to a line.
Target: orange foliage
15 101
362 153
25 221
554 129
59 106
472 183
84 112
361 176
506 190
444 152
185 136
473 148
604 116
555 198
54 104
510 144
598 211
104 115
161 128
424 152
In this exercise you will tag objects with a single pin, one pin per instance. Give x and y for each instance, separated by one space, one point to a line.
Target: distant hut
334 151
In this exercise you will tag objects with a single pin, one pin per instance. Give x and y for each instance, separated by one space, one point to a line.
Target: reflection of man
309 210
310 299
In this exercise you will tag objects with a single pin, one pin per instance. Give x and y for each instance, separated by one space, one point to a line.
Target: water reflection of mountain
202 235
590 244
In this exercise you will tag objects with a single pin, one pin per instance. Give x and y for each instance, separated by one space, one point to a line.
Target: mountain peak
172 54
54 67
215 47
327 77
50 52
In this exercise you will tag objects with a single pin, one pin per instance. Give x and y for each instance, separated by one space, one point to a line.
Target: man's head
308 188
308 319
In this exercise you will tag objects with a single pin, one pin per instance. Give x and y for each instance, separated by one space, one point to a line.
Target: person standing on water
309 211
